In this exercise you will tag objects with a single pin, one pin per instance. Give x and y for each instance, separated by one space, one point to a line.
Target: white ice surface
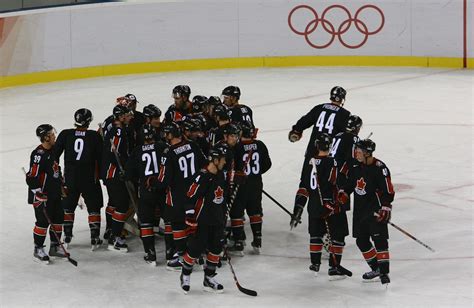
422 123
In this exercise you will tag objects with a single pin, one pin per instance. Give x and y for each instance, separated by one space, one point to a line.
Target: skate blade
211 290
121 250
152 263
236 253
377 279
337 277
41 261
173 269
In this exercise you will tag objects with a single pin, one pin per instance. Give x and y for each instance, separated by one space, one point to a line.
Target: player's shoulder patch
379 164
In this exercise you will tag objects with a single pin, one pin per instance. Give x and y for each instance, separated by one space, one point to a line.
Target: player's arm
303 123
385 194
266 162
59 145
132 166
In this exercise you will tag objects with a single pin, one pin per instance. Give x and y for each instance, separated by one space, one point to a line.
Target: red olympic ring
331 29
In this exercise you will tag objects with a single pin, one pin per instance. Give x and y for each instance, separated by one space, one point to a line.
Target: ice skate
185 282
211 284
40 255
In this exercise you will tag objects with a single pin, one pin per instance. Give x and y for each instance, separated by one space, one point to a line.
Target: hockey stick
68 255
331 250
407 234
226 252
278 203
128 184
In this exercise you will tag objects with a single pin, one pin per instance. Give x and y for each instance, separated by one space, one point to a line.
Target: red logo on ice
360 187
218 195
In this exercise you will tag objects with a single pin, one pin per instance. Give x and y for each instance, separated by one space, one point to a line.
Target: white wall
128 33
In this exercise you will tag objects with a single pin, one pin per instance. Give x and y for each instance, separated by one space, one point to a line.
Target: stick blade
73 262
246 291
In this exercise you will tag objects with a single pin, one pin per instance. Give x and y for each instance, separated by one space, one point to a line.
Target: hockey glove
294 135
296 217
342 197
330 209
40 199
384 214
151 182
240 177
64 191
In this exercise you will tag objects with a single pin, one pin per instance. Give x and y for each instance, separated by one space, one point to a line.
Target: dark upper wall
19 5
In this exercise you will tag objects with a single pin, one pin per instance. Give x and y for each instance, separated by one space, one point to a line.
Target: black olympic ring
329 27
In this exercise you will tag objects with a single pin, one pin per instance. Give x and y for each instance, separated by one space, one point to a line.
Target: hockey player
143 163
222 118
256 161
373 196
82 149
343 150
319 186
134 128
152 116
119 199
239 113
44 181
193 131
181 161
182 105
205 215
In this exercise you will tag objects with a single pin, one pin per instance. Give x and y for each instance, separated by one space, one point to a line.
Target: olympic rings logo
330 28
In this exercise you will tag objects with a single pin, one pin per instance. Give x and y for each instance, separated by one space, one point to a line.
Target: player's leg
214 244
69 204
255 213
379 234
146 216
56 214
237 222
368 250
39 236
119 197
94 200
316 229
195 246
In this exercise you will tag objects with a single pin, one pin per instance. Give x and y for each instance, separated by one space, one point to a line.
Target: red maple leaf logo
218 195
361 184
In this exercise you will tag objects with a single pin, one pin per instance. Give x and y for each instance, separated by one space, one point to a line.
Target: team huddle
196 171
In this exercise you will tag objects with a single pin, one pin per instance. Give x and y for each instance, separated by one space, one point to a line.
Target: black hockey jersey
254 157
241 113
82 150
110 167
208 197
325 118
372 187
145 161
181 161
44 174
176 115
319 177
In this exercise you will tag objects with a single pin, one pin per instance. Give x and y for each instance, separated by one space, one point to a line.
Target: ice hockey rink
422 123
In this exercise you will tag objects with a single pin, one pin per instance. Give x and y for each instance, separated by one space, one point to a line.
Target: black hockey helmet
131 98
353 123
148 132
43 130
217 151
192 125
120 110
198 103
248 130
221 112
181 90
366 145
338 94
151 111
231 91
202 121
213 101
323 142
171 128
83 117
231 129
